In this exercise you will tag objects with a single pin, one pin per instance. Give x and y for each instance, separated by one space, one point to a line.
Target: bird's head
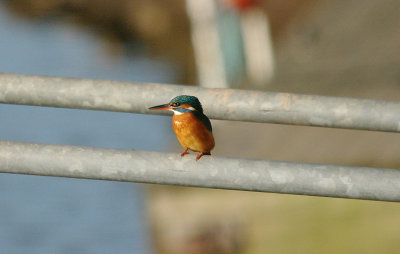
181 104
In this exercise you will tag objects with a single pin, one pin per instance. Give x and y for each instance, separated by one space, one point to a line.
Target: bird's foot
201 154
185 152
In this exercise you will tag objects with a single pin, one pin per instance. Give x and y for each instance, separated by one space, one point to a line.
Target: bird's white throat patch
176 112
180 111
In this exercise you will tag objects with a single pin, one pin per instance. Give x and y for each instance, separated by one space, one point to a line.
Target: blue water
59 215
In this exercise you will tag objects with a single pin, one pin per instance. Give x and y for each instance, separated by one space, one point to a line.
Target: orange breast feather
192 133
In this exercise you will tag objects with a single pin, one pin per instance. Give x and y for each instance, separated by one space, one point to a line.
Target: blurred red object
242 5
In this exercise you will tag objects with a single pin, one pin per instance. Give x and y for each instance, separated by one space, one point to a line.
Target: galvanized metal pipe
209 171
225 104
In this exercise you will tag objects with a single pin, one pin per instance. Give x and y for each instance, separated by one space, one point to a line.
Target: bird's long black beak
160 107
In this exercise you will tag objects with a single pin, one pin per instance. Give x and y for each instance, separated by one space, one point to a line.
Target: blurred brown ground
339 48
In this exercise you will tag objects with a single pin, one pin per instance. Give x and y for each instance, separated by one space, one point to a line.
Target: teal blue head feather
188 99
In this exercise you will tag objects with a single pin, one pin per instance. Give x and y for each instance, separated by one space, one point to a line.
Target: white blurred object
257 46
232 43
205 39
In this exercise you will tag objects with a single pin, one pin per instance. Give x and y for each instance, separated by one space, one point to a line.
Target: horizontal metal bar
225 104
209 171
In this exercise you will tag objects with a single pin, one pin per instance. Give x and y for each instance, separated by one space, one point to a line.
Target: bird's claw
185 152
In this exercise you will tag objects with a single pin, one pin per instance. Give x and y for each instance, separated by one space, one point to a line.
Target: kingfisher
192 128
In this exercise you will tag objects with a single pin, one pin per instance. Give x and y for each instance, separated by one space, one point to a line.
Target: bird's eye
175 104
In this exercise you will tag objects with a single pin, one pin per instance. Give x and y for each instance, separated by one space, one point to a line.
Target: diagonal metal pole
209 171
225 104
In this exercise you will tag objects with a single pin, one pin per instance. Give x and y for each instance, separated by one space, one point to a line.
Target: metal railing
213 172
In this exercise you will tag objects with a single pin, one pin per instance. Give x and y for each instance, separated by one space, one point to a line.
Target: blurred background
337 48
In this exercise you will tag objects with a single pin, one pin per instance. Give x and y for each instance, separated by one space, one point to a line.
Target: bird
192 128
